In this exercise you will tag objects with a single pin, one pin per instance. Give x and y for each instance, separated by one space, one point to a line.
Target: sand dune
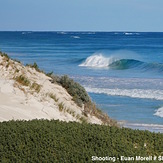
25 102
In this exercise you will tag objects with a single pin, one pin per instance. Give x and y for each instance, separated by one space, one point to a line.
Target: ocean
121 71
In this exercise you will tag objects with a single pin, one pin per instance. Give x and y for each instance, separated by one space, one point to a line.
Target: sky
81 15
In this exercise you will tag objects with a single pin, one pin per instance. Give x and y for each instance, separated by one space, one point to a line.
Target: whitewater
159 112
117 62
98 60
121 71
134 93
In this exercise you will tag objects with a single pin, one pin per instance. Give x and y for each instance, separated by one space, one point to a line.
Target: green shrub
56 141
81 97
49 74
55 79
16 60
78 93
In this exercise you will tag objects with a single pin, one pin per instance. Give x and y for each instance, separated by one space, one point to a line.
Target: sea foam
134 93
159 112
150 127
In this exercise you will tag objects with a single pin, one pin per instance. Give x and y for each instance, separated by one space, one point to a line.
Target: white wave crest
75 37
98 60
159 112
146 125
134 93
24 33
130 33
127 33
62 33
150 127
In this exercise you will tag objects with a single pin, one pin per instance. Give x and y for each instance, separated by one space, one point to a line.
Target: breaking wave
150 127
62 33
134 93
131 33
76 37
99 61
159 112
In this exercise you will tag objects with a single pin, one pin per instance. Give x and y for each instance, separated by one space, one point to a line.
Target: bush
54 78
78 93
55 141
81 97
49 74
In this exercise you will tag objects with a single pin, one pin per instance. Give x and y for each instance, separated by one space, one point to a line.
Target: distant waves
150 127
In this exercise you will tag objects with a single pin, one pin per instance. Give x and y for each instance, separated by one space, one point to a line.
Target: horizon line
75 31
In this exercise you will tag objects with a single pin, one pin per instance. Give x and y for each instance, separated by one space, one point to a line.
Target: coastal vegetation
23 80
35 66
4 55
78 93
81 98
57 141
36 87
51 95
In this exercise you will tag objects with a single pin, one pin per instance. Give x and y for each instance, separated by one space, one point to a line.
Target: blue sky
81 15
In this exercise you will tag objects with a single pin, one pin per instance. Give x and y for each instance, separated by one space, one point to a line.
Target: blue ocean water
122 71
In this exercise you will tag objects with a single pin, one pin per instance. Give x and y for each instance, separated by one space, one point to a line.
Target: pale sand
19 102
